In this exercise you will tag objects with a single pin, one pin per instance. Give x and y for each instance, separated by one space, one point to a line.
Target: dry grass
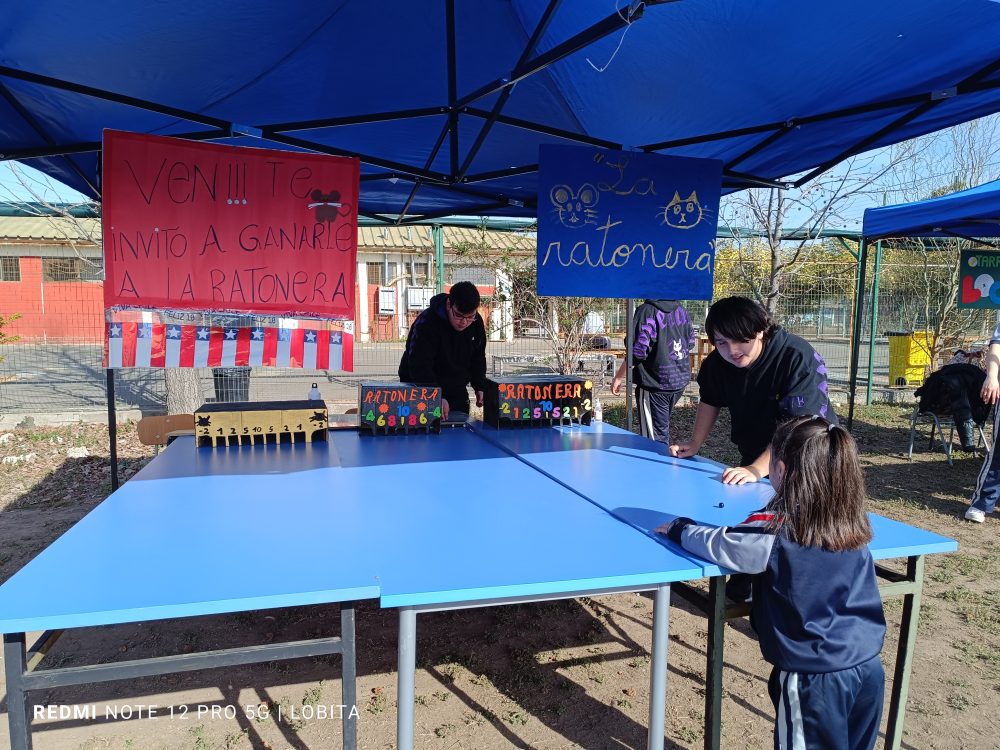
553 675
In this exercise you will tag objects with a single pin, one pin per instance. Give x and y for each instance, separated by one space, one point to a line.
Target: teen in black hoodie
446 346
763 375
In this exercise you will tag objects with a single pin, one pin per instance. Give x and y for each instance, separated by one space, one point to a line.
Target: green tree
5 338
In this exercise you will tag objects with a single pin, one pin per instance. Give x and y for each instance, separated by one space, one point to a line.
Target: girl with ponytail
815 604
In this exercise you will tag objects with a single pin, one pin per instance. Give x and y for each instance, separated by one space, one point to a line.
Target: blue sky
896 188
11 188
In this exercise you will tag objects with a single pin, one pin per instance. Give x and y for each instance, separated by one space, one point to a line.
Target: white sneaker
975 515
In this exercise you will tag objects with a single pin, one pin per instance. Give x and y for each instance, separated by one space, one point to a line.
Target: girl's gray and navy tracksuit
818 616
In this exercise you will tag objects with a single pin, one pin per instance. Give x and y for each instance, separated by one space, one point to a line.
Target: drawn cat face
683 213
575 209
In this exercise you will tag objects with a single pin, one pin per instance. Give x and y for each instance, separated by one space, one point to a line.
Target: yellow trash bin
909 357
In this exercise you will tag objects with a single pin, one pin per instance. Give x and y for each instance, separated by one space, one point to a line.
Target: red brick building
51 276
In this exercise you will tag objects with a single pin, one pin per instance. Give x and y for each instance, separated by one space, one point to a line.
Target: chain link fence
63 373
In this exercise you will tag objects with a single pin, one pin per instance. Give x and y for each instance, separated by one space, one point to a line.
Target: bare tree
35 193
761 219
955 159
561 321
183 390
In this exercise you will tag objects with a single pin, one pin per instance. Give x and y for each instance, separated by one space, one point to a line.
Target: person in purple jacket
661 365
815 607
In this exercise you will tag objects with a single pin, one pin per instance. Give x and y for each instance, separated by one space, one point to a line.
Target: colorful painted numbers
537 401
398 408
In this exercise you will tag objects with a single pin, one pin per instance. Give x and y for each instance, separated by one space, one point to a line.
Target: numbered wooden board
237 423
398 408
537 400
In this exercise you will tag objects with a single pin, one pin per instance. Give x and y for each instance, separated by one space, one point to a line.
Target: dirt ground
570 674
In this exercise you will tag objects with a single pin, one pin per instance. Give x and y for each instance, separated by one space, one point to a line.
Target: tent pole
859 300
874 321
629 312
438 233
449 15
112 428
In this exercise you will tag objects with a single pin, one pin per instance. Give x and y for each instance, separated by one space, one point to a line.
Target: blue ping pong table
359 518
601 461
349 519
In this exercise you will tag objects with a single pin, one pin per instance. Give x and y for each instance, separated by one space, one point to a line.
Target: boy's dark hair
822 497
738 319
464 296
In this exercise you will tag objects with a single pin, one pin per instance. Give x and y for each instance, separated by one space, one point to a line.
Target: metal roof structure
446 104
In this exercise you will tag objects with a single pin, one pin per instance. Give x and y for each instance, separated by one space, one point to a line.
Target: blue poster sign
979 279
626 224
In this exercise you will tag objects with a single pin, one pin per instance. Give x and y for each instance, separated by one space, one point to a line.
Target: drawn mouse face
683 213
575 209
327 205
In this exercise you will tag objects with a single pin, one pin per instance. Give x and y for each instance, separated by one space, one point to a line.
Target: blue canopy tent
967 214
446 103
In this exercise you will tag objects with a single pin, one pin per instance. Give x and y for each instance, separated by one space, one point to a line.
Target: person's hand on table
990 391
444 410
616 385
740 475
479 398
684 450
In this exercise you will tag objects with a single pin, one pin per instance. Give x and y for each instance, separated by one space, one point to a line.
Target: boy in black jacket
446 346
661 368
763 375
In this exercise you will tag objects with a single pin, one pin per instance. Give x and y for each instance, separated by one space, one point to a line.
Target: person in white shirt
987 492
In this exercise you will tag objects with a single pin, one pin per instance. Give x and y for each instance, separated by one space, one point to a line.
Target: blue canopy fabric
967 213
447 102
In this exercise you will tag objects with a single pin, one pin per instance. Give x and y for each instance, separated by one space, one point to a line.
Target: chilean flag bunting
323 346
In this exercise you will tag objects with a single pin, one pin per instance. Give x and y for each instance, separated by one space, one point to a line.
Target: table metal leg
716 648
407 675
658 668
18 718
24 675
904 654
349 676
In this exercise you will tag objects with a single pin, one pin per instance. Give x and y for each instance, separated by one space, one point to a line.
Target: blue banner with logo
979 280
626 224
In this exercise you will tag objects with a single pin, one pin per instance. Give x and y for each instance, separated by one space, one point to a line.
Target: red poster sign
191 225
